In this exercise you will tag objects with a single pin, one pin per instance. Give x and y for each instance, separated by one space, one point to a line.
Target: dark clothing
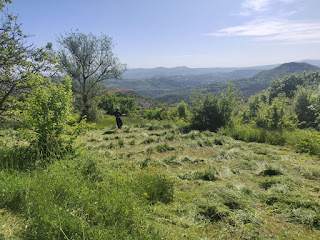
119 122
118 114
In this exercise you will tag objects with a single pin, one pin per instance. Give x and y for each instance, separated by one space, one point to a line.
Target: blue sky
193 33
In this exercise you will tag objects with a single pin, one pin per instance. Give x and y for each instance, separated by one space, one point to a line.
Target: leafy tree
182 110
303 103
18 61
46 115
214 111
277 114
159 113
291 83
89 60
109 103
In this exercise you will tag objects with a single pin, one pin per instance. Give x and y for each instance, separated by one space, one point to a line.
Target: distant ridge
158 72
285 69
145 73
262 80
247 86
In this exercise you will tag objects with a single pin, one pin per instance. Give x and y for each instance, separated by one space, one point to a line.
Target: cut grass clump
207 174
149 140
164 148
213 212
171 160
268 184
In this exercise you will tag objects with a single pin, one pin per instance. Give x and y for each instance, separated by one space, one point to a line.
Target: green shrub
109 102
47 116
154 185
213 112
309 143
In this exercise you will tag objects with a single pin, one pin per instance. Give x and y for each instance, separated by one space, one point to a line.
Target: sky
192 33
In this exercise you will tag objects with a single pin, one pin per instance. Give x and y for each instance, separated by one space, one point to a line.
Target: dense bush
303 106
290 84
275 114
46 116
212 112
109 103
159 113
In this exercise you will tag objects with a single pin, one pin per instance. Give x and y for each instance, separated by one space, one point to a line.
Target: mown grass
153 181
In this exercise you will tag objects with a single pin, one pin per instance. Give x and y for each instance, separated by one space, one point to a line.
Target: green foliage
65 203
46 114
303 105
182 110
109 103
154 185
275 114
213 112
88 60
249 133
160 113
18 61
309 143
290 84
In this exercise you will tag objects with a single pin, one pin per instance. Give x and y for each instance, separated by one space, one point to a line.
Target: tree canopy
88 60
19 60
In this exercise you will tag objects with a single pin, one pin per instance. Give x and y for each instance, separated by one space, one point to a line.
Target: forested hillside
247 86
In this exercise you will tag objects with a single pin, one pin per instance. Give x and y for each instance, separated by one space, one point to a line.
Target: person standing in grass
118 115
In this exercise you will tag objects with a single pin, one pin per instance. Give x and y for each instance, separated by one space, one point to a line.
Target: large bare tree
88 60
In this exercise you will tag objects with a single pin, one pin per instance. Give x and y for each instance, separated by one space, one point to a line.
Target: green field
154 181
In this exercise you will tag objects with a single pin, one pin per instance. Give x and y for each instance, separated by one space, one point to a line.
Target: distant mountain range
174 88
144 73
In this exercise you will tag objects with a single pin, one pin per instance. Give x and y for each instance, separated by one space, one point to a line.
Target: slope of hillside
247 86
263 80
151 181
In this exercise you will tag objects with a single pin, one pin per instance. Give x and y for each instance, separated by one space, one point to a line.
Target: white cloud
255 5
274 30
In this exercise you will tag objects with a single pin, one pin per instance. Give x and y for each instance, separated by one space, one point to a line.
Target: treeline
286 113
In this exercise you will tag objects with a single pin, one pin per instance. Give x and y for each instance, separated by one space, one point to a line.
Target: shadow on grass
109 132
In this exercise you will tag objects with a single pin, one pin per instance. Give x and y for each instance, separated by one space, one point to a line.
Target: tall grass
249 133
301 140
75 199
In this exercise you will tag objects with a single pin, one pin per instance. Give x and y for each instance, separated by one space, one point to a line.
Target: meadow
158 180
